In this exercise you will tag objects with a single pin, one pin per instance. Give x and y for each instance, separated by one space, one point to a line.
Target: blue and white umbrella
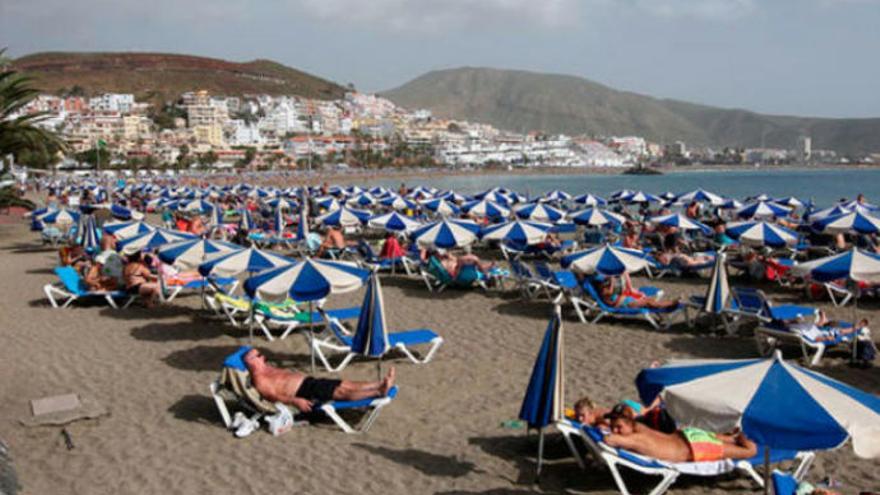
681 222
789 201
192 252
233 264
486 209
557 196
700 196
62 216
860 206
441 207
731 204
762 210
307 280
862 223
89 234
539 212
196 206
833 211
777 404
762 234
496 195
519 233
596 217
124 230
371 336
151 240
620 195
544 400
641 197
328 203
344 217
855 264
452 197
718 292
590 200
398 203
394 222
284 204
607 260
279 223
446 234
361 200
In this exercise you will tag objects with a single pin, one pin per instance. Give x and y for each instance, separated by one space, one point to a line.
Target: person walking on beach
302 391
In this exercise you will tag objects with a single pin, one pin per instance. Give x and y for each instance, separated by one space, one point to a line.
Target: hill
161 76
523 101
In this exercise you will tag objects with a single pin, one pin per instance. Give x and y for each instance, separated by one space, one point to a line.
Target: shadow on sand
196 409
166 332
210 358
425 462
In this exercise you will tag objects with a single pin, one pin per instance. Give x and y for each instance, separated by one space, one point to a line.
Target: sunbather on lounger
825 330
453 263
301 391
685 445
627 297
654 416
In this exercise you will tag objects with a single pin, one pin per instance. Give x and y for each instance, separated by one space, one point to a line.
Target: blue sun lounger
436 277
614 458
658 318
235 382
340 340
73 288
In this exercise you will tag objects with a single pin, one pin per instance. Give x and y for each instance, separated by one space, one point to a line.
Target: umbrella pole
766 470
312 335
251 321
540 455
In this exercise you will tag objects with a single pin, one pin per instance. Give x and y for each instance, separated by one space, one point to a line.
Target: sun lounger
657 318
72 288
528 283
371 260
679 270
235 381
784 483
339 340
173 287
614 458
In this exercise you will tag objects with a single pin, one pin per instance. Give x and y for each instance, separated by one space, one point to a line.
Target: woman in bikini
140 280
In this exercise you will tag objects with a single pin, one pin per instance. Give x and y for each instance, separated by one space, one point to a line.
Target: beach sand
443 434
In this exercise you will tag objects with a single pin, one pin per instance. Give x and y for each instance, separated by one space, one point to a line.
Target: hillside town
261 132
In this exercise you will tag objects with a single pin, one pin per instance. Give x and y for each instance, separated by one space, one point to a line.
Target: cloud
699 9
438 15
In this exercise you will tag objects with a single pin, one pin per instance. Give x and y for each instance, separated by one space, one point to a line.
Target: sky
795 57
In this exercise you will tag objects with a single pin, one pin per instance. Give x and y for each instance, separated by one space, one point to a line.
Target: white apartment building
112 102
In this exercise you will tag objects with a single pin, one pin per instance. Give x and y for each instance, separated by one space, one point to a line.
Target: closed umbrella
371 334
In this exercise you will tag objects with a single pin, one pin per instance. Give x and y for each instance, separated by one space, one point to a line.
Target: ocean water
823 186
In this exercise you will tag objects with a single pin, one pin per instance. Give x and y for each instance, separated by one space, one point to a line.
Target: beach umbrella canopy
607 260
328 203
361 200
398 203
762 234
731 204
777 404
441 207
282 203
544 400
371 337
307 280
452 196
557 196
859 205
855 264
124 230
539 212
833 211
789 201
762 210
486 208
590 200
62 216
620 195
196 206
446 234
234 263
192 252
642 197
718 292
394 222
497 195
344 217
700 196
862 223
151 240
681 222
520 233
596 217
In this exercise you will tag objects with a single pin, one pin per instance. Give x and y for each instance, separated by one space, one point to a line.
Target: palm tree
19 131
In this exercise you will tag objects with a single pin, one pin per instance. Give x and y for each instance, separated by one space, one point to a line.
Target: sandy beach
152 368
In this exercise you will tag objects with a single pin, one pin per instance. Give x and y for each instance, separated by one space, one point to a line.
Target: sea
822 186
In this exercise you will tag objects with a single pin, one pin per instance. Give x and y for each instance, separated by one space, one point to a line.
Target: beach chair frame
63 295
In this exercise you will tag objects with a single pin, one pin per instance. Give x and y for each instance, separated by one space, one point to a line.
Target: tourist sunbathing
625 296
302 391
825 330
139 280
684 445
675 256
96 280
333 239
453 264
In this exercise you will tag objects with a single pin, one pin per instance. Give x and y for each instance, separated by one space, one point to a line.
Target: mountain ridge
520 100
